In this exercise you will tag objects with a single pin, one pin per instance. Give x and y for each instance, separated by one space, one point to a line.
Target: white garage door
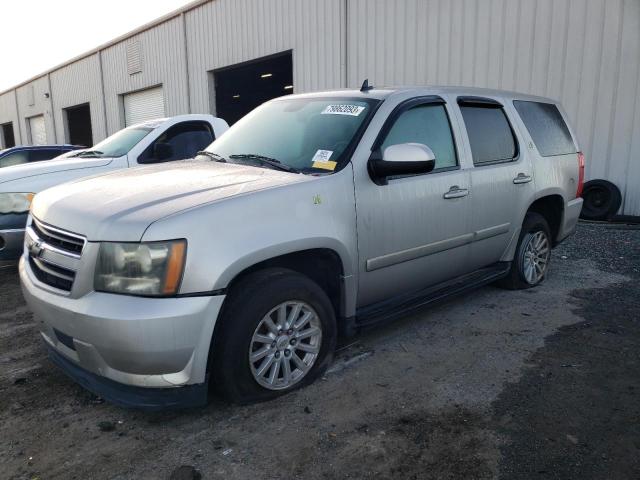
144 105
38 130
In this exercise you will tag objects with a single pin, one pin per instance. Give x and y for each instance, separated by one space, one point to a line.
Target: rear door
502 184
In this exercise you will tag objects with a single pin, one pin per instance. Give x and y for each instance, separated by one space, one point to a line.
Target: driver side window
178 143
427 124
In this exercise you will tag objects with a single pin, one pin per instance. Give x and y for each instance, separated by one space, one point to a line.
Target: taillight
580 174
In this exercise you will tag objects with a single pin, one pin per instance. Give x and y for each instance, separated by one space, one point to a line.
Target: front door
414 231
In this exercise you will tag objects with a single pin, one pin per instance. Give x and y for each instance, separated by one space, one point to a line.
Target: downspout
186 60
104 98
52 111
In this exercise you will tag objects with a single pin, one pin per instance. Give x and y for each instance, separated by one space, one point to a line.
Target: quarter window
490 134
427 124
547 128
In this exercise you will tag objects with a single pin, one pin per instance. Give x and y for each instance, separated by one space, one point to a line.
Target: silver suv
315 215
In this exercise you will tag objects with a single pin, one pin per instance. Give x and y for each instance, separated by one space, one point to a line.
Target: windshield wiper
266 161
95 153
213 156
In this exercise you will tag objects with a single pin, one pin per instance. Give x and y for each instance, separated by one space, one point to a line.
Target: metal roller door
144 105
38 130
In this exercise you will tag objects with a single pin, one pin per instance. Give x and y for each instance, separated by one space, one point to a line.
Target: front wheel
278 333
533 254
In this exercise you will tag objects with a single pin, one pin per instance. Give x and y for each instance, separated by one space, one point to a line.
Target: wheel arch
551 207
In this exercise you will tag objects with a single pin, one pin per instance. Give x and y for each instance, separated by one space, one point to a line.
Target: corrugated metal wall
163 63
226 32
586 53
76 84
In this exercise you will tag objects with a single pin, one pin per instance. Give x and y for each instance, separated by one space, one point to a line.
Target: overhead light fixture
236 96
288 87
266 75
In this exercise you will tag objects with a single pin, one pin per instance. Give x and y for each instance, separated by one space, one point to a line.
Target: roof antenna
365 86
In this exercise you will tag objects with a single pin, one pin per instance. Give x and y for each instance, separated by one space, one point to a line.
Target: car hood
119 206
16 172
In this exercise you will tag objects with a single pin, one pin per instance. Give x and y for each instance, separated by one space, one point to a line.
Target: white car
155 141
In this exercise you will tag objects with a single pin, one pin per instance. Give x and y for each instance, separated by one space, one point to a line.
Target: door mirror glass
402 159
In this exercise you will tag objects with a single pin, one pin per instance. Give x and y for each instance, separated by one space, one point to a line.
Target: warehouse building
227 56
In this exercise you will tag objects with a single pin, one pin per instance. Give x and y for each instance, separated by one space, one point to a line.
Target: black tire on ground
245 306
515 280
602 200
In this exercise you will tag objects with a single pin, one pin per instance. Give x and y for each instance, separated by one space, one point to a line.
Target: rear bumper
570 219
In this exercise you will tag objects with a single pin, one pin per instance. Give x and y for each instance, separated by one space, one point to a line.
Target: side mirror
402 159
162 151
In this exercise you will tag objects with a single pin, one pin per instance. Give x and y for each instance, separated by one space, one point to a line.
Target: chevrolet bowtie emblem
36 249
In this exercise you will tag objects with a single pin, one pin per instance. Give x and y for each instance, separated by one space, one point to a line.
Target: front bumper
102 340
12 228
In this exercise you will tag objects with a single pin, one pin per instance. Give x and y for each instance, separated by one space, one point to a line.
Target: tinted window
15 158
547 128
490 134
43 154
429 125
185 140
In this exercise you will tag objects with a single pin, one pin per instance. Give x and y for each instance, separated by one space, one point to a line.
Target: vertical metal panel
226 32
34 93
76 84
162 63
584 53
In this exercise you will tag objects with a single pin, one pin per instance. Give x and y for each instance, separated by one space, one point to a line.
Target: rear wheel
533 254
278 333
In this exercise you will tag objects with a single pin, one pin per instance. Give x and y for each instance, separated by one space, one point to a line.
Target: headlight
146 269
15 202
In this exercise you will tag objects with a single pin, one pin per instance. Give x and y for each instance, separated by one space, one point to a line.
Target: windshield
310 135
117 144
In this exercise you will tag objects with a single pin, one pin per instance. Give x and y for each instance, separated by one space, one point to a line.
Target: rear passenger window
15 158
427 124
490 134
546 127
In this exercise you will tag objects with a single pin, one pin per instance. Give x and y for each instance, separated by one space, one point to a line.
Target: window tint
429 125
185 140
15 158
43 154
547 128
490 134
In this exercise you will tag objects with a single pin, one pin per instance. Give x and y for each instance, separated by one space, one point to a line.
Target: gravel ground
542 383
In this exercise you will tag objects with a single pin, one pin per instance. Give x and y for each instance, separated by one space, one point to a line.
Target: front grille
52 275
54 255
56 238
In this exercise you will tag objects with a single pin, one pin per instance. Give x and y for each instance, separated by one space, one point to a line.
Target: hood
119 206
16 172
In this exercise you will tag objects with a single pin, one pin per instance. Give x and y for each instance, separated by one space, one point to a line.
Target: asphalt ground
542 383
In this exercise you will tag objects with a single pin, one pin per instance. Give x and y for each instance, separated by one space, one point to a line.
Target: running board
404 304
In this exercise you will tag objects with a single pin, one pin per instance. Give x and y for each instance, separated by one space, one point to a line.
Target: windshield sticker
353 110
321 160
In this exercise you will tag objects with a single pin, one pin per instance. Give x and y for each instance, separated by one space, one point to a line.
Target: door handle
456 192
522 178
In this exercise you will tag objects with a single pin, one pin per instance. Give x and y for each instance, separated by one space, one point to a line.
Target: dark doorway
242 87
7 135
79 125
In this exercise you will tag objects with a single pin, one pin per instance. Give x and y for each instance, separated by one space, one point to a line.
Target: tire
243 320
602 200
534 227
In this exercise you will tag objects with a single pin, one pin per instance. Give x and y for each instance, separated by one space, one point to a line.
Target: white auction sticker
353 110
322 155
